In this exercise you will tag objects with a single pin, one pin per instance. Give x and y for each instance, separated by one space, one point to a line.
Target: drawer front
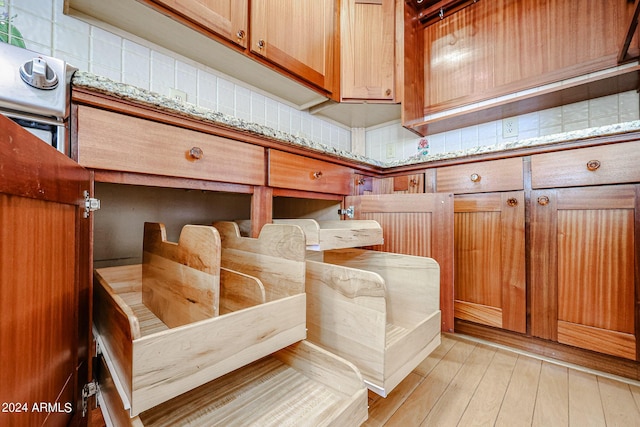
494 175
295 172
607 164
118 142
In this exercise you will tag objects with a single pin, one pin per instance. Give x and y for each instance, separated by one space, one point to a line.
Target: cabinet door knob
261 44
317 175
512 201
241 34
543 200
475 177
593 165
196 153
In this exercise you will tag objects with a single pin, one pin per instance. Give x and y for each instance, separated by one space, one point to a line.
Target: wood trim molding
565 353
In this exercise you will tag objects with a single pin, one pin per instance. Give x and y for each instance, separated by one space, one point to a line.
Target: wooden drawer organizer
379 310
322 235
301 384
258 310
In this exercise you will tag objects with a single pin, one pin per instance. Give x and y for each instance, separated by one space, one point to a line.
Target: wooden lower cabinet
489 259
584 280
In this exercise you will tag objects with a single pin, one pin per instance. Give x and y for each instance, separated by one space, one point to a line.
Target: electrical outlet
178 95
391 151
509 127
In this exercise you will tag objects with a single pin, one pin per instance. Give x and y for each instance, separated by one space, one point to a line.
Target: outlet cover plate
509 127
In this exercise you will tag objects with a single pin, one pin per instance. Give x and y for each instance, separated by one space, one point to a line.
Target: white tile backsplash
607 110
122 57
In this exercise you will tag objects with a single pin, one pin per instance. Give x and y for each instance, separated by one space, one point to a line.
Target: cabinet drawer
300 173
118 142
608 164
495 175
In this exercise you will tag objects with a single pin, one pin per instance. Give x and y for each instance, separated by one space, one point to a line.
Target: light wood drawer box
117 142
262 310
606 164
295 172
379 310
481 177
301 384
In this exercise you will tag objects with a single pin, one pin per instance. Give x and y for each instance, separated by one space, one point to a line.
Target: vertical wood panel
478 258
490 259
367 43
544 266
458 55
596 268
38 299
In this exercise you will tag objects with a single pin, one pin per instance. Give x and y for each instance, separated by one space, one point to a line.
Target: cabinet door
44 290
296 35
490 280
227 18
583 246
367 42
415 224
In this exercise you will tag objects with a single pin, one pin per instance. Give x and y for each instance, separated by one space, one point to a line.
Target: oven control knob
38 74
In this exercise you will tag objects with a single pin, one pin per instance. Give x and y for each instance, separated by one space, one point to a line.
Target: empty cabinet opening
119 224
318 209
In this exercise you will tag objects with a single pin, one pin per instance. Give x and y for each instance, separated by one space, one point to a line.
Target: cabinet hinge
90 204
89 389
349 212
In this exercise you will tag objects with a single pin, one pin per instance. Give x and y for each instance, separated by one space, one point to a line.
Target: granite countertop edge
132 93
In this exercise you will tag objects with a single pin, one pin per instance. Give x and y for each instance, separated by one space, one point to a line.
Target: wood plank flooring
469 383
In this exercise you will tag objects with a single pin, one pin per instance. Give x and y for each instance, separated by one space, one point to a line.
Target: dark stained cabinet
44 290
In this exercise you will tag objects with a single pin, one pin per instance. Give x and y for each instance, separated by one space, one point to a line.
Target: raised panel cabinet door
415 224
489 259
367 43
583 278
297 36
227 18
44 287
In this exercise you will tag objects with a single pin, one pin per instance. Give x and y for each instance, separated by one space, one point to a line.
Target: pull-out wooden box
300 385
380 311
253 316
323 235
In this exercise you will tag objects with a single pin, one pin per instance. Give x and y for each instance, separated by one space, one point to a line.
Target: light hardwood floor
468 383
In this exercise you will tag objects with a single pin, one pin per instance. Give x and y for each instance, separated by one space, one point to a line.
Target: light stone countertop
131 93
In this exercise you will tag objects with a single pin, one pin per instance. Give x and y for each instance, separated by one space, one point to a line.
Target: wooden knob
593 165
475 177
512 201
413 182
241 34
361 181
317 175
387 92
543 200
261 44
196 153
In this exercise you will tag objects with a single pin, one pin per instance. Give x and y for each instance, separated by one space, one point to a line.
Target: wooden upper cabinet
367 43
226 18
298 36
488 50
493 48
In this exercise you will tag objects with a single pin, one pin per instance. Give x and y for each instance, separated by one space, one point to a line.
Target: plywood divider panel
181 282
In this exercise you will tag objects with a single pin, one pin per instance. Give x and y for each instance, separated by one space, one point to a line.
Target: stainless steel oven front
35 92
